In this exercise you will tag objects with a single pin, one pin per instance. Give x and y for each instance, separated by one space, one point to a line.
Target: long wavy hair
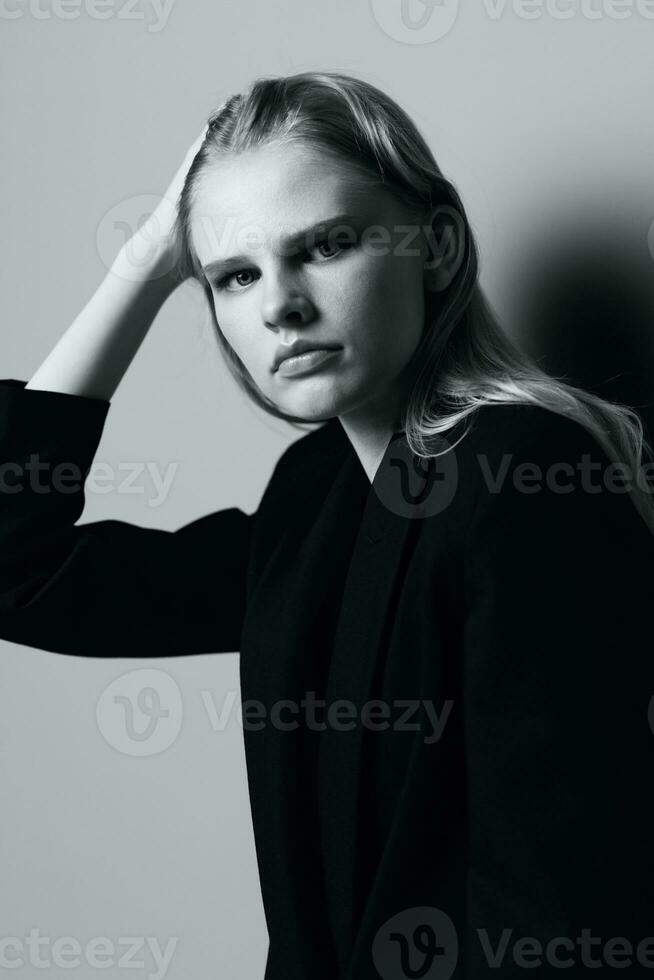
464 359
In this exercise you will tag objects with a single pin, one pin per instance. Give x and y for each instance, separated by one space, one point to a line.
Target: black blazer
500 786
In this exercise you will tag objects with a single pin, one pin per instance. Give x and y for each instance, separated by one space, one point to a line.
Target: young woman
440 601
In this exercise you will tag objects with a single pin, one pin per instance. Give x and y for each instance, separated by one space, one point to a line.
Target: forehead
276 190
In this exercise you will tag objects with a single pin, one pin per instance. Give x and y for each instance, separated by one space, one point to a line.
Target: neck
369 443
370 433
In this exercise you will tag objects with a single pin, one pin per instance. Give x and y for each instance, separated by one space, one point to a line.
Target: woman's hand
151 252
97 348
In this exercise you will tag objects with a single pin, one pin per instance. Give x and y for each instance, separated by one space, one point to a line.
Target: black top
487 774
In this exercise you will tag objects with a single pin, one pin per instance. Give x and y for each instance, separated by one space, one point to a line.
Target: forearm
95 351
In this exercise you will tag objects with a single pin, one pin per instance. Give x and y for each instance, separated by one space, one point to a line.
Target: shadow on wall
584 302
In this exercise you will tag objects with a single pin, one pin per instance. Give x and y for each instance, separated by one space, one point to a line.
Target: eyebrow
227 264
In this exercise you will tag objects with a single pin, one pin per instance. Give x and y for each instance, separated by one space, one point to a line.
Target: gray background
544 124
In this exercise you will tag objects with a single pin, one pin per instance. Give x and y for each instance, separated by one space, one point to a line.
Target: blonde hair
464 360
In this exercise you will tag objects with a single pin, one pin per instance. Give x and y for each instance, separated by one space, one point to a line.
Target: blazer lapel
285 652
345 547
366 617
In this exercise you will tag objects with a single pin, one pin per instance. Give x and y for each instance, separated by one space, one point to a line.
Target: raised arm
107 588
95 351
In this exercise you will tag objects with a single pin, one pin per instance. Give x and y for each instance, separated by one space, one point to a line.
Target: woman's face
283 267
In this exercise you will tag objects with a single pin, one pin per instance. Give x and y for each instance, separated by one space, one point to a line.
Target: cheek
232 327
248 348
397 294
397 324
394 283
251 352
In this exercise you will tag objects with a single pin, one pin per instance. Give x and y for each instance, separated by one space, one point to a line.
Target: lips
310 360
299 347
308 350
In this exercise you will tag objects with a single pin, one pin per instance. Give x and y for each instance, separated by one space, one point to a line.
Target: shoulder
532 469
500 447
523 429
527 442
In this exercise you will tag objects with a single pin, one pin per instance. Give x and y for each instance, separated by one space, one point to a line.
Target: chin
312 407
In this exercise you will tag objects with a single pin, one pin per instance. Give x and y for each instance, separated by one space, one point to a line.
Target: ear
444 245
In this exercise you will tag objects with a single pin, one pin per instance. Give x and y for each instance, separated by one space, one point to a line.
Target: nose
284 301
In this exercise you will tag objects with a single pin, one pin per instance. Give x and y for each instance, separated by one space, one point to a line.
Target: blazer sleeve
108 588
557 682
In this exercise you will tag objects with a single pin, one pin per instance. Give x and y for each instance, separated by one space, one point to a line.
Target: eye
221 284
338 243
334 244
